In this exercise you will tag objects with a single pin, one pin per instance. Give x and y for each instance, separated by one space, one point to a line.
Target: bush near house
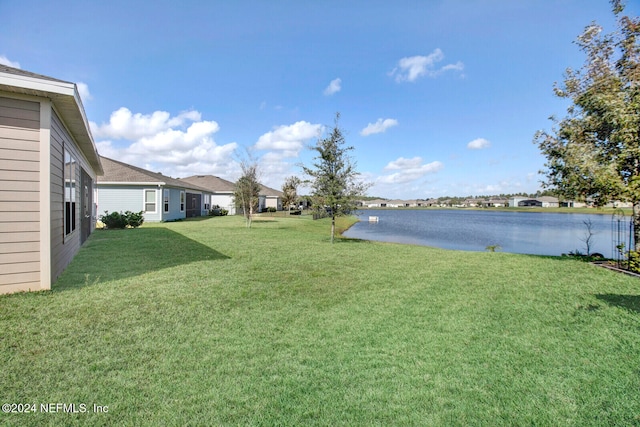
117 220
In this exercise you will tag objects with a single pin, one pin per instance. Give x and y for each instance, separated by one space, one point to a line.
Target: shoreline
592 211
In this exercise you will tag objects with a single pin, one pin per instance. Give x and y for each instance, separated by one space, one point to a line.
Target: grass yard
209 323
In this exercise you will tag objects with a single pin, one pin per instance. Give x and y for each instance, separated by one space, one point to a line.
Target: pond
537 233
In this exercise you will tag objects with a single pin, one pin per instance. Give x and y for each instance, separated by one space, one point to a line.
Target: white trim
45 194
144 200
38 84
168 194
158 184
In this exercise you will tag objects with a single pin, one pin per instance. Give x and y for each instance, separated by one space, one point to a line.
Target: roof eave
66 99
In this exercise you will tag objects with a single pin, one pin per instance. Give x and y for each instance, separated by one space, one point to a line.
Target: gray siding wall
19 195
63 248
122 198
174 205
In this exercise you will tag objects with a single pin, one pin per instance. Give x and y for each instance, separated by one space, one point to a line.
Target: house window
150 201
182 201
207 201
69 192
166 200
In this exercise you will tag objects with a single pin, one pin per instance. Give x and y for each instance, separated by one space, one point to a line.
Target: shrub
134 219
113 220
218 212
634 261
271 209
116 220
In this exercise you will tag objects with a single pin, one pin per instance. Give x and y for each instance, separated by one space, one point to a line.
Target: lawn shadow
343 239
117 254
630 302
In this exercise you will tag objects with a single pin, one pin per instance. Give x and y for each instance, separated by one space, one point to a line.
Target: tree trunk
636 226
333 226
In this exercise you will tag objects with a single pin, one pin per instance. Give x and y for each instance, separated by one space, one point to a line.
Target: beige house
48 169
221 190
272 198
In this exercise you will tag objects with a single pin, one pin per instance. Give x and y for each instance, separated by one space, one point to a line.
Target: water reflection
537 233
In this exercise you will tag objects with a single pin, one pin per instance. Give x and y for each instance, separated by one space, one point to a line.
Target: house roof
269 192
116 172
216 184
65 98
548 199
212 183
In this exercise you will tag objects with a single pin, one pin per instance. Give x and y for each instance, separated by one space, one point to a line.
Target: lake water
538 233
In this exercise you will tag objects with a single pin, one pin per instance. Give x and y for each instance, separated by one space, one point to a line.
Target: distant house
549 202
222 193
495 203
125 187
472 203
376 203
221 190
515 201
572 204
48 168
272 198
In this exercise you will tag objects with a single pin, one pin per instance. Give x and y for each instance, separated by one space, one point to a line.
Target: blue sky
436 97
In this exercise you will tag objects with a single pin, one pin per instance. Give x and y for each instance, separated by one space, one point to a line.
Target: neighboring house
495 203
572 204
472 203
48 168
221 190
376 203
124 187
272 198
548 201
515 200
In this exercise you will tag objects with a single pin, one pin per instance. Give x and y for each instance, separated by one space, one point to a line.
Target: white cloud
408 170
6 61
379 126
334 86
123 124
409 69
478 144
83 90
176 146
289 140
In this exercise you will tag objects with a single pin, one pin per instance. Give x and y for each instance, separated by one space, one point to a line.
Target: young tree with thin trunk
247 190
594 152
334 179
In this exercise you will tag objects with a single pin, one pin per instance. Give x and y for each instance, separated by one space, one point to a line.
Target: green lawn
209 323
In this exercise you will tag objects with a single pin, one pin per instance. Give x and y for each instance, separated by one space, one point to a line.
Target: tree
290 191
334 179
247 190
594 152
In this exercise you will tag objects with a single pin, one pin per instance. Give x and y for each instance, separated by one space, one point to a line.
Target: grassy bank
209 323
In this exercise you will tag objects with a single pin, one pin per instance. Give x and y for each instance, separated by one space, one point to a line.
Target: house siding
122 198
225 201
64 247
19 195
174 205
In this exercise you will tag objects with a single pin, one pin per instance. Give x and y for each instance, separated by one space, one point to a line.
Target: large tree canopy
594 152
334 179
